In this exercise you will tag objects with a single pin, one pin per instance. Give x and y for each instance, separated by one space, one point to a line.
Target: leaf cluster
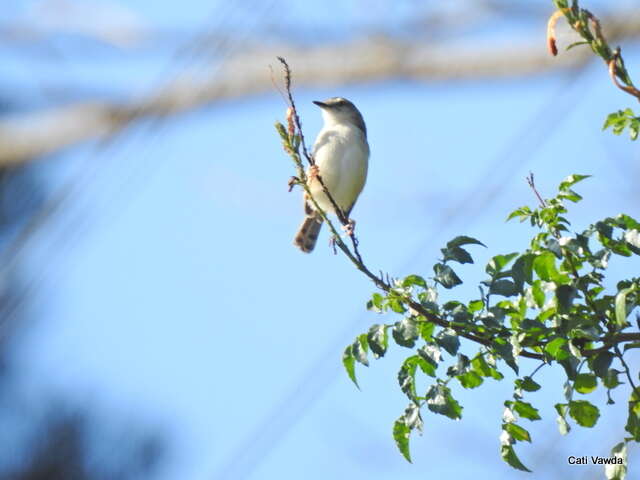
622 120
548 303
587 25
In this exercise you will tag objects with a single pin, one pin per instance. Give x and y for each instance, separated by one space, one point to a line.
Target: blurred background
156 321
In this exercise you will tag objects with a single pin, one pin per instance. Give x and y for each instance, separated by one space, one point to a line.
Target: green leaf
475 306
522 270
349 362
457 254
414 280
460 367
497 263
570 366
439 400
445 276
621 306
505 350
617 471
633 420
571 180
584 413
576 44
632 237
538 294
464 240
627 223
360 348
412 417
448 339
430 351
557 349
601 362
545 267
506 288
378 340
510 457
565 295
426 330
470 379
527 384
610 380
570 195
482 368
563 425
523 213
401 434
585 383
517 432
526 410
405 332
376 303
604 230
396 304
407 376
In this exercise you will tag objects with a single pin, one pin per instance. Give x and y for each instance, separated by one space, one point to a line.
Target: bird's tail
308 233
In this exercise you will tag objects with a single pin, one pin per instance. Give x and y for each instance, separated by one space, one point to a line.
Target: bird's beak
321 104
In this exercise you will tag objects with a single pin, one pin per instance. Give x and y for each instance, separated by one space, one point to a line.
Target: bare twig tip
551 32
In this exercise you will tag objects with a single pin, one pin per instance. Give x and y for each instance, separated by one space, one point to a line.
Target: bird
341 156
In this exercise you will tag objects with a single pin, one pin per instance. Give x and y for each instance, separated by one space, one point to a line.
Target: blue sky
171 291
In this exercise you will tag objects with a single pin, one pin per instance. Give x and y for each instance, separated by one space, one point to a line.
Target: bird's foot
293 181
350 228
314 171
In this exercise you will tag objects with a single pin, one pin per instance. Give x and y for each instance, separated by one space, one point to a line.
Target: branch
485 337
371 59
588 26
569 256
295 128
627 371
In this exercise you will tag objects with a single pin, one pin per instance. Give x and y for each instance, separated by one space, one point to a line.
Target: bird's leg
314 171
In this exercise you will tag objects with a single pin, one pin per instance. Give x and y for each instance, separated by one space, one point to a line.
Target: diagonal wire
77 184
258 444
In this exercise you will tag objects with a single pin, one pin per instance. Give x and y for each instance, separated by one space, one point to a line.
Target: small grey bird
341 154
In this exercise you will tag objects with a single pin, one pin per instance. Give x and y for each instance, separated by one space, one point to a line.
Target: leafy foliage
621 120
548 303
587 26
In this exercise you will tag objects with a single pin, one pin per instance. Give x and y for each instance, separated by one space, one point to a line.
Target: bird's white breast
342 154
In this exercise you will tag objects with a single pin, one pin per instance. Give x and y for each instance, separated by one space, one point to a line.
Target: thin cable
307 389
529 138
74 188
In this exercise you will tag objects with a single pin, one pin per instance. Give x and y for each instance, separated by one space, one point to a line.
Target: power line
74 187
306 390
529 138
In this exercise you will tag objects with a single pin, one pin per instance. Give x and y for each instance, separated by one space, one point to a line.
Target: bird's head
338 110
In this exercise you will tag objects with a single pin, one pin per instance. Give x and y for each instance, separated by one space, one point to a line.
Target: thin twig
532 184
627 370
598 44
569 256
613 73
339 213
551 32
537 368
